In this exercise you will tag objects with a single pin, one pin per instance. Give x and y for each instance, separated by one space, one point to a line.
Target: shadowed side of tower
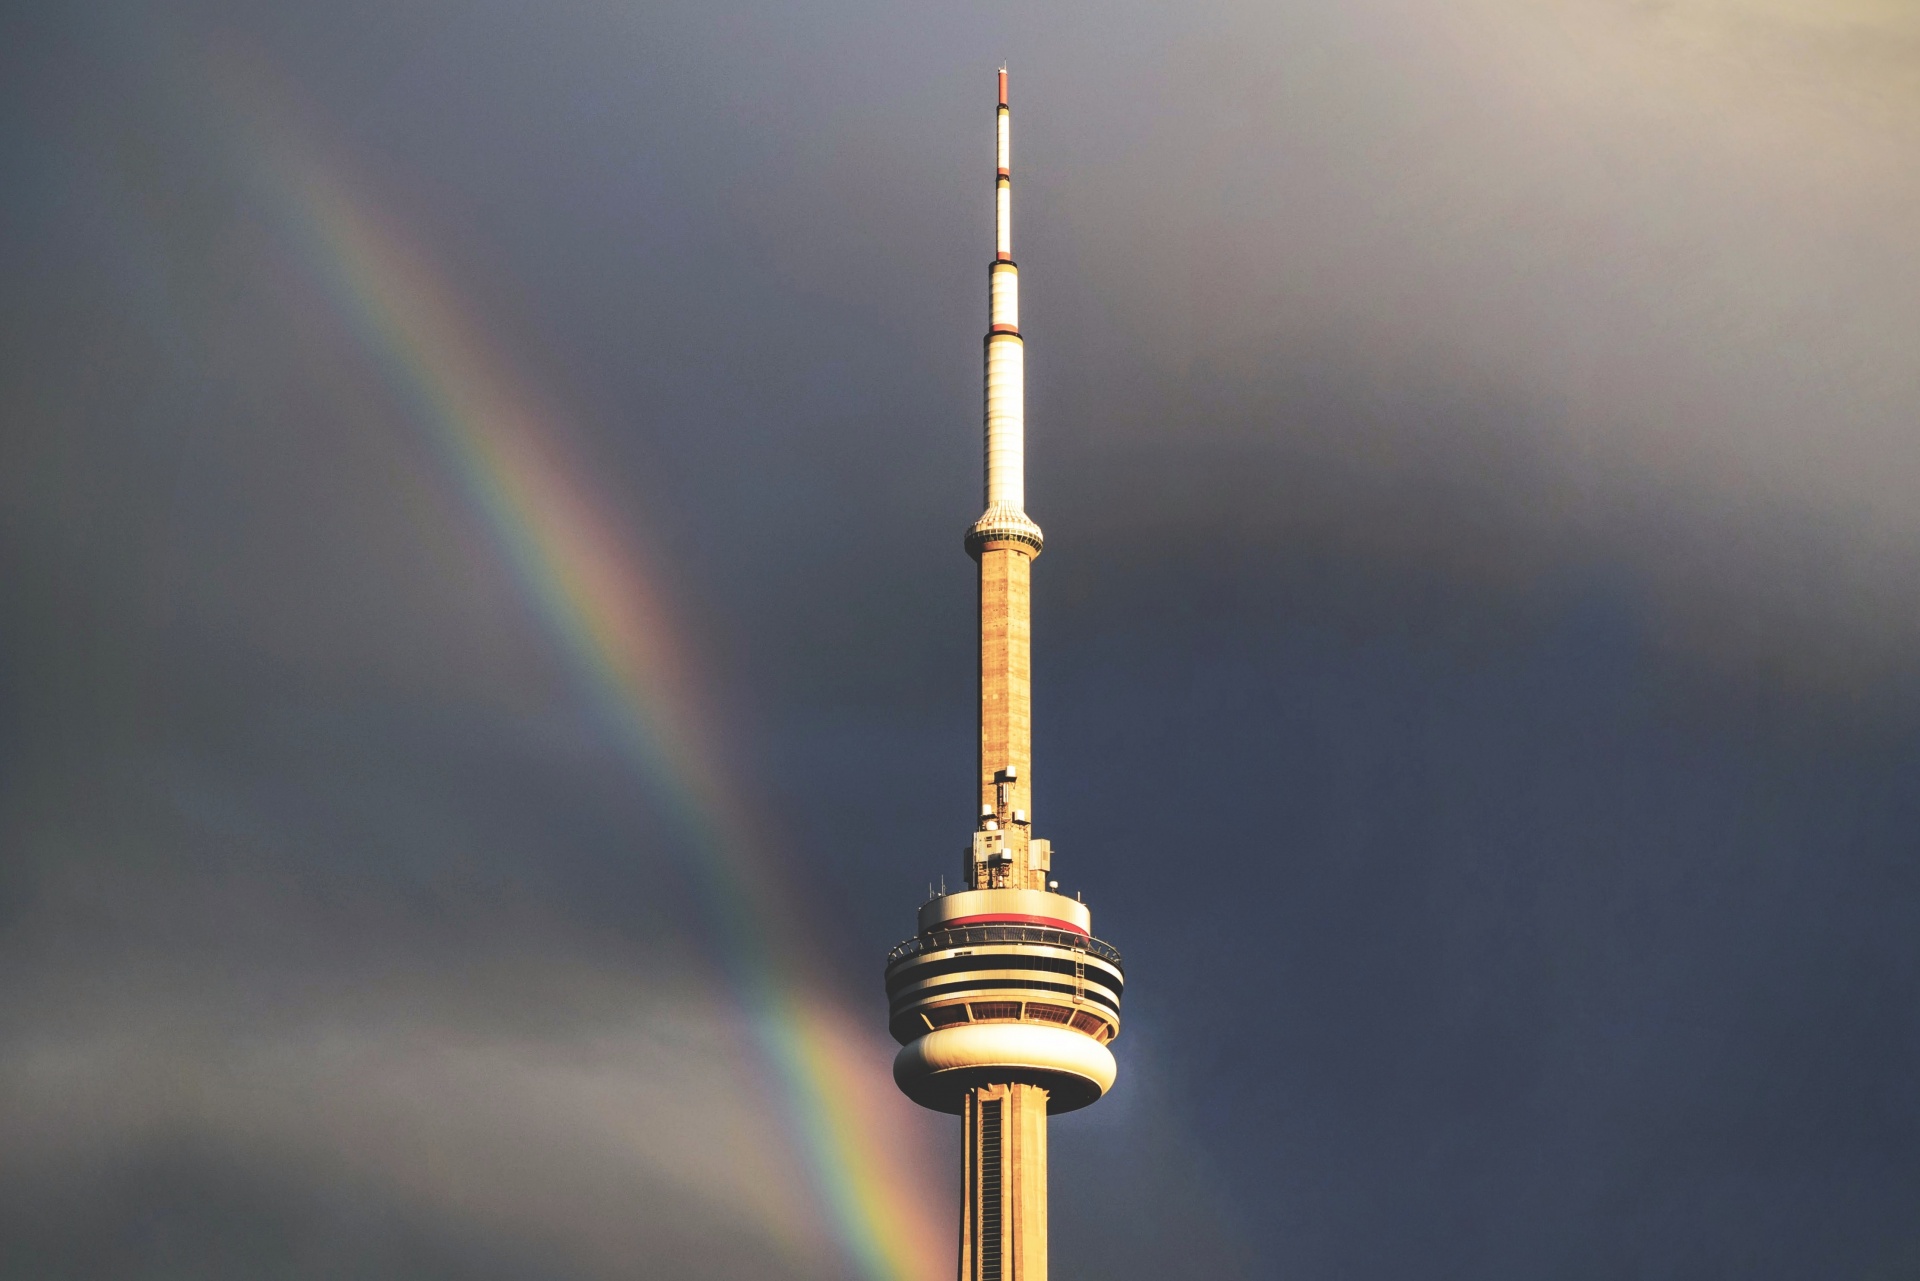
1004 1002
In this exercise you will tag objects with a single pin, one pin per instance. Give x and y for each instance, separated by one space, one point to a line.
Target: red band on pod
1009 918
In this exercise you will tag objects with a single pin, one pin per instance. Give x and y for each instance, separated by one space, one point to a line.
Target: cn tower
1004 1002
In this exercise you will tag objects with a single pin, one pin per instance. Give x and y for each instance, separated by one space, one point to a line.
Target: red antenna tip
1003 86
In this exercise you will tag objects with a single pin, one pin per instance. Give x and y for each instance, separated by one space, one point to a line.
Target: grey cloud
631 1145
1466 435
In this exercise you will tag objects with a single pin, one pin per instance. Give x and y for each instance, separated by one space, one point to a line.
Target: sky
486 648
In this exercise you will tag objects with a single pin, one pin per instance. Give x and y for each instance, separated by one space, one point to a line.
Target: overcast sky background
1477 646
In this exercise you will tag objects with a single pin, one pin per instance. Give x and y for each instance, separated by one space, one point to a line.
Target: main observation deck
1004 985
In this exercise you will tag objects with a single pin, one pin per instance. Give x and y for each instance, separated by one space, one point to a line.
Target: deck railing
974 935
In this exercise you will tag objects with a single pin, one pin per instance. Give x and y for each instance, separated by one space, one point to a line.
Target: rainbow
605 610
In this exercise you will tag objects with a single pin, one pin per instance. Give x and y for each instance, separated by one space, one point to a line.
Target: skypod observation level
1004 1003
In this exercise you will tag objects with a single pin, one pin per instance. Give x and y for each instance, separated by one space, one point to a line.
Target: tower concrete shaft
1003 1228
1006 718
1004 1003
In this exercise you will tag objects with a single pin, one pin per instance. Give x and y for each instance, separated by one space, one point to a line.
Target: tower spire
1006 487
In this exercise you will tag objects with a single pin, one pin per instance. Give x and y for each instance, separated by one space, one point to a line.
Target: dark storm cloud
1475 640
1510 289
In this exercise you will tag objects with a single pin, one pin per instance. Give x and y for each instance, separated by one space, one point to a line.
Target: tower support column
1003 1221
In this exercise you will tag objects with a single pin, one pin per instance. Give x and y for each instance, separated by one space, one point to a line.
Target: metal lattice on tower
1004 1002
